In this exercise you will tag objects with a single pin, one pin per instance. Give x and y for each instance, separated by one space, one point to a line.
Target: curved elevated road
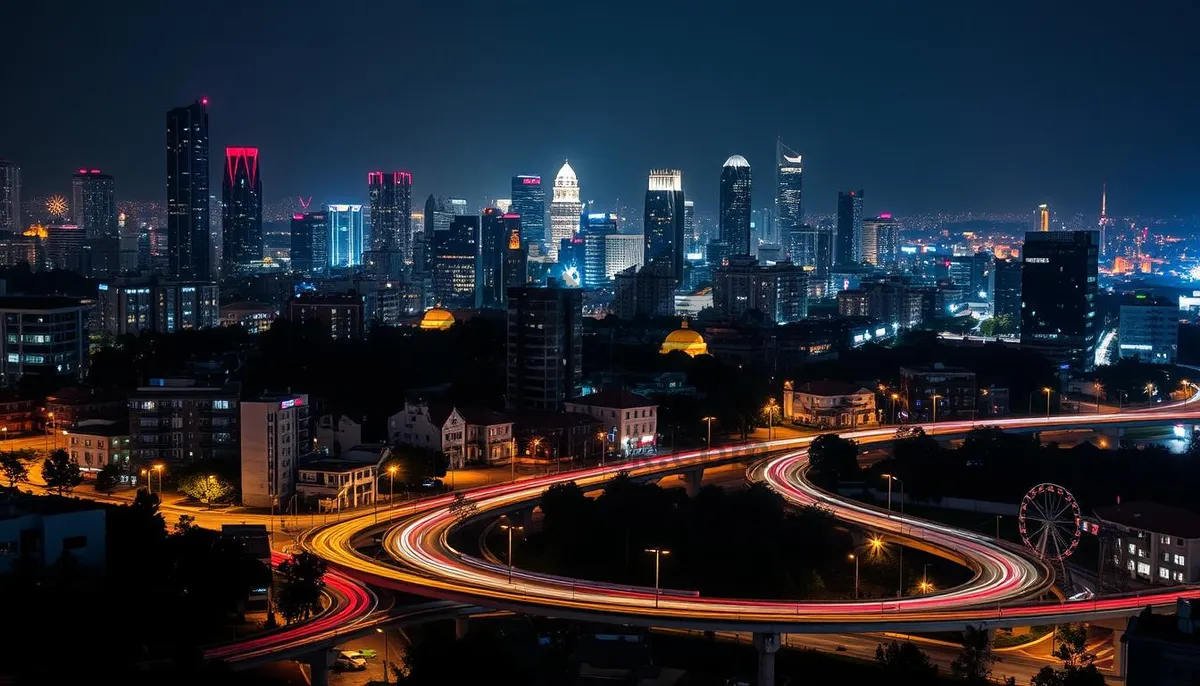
428 566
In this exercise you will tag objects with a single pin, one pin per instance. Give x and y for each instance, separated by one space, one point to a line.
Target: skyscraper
1041 219
241 204
529 201
493 251
597 227
93 205
188 233
391 208
10 197
565 209
455 252
1105 220
1005 288
345 235
789 190
545 346
848 239
810 247
664 221
880 243
690 232
1058 293
735 205
516 268
310 243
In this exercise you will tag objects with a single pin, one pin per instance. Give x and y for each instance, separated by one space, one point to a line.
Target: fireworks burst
57 205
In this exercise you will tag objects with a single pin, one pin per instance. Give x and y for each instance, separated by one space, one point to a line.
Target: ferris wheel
1049 521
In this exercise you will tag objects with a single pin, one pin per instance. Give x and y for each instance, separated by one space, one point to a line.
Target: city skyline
968 121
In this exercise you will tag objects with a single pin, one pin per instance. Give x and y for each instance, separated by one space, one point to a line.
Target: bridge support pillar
767 644
460 628
318 667
692 481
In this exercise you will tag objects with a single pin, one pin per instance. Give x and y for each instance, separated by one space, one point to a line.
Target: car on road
1085 594
349 661
364 653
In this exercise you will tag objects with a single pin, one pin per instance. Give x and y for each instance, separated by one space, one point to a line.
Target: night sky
929 106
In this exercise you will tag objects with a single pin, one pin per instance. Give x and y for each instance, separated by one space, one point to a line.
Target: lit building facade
663 221
341 314
455 252
132 305
493 253
778 291
10 197
545 346
189 234
177 421
516 269
241 221
42 336
880 245
1149 329
735 205
597 228
789 193
829 404
275 433
565 209
310 243
1058 293
622 251
93 206
345 235
529 201
391 210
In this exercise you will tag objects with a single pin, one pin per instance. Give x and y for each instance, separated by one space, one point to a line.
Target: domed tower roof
566 176
736 161
437 319
684 340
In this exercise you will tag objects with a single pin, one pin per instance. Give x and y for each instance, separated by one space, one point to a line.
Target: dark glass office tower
310 243
189 240
735 205
789 190
848 239
1058 293
493 251
516 267
663 222
241 202
597 226
1006 290
529 201
10 197
390 194
455 252
93 205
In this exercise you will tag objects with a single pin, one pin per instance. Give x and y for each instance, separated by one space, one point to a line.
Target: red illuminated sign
531 182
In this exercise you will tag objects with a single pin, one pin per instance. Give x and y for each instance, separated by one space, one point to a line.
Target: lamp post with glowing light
386 657
1048 392
935 397
510 527
874 545
392 484
602 438
891 478
926 587
708 420
895 397
770 408
658 553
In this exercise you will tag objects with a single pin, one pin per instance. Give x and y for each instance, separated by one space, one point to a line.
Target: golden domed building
684 340
437 319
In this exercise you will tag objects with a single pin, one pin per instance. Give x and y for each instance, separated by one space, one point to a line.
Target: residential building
241 220
1149 329
337 483
663 222
465 435
829 404
847 241
72 405
629 420
556 436
545 346
94 444
341 314
135 304
1155 544
735 205
1058 294
648 292
778 291
188 231
275 434
43 336
937 393
178 421
334 437
255 318
37 531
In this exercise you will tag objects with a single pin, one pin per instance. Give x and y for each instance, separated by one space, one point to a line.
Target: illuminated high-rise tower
847 242
1105 220
529 201
391 212
10 197
789 191
241 204
345 235
1041 220
664 221
565 209
93 205
735 205
188 233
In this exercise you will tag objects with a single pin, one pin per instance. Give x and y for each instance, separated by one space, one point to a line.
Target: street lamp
158 468
602 438
50 430
392 484
709 420
895 397
770 408
935 397
926 587
149 486
658 553
1047 391
386 657
855 558
509 528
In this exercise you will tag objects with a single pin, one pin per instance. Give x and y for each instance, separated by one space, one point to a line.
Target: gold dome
685 341
437 319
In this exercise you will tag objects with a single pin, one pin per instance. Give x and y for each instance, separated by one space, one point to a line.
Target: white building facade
829 404
275 434
630 420
565 209
464 435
